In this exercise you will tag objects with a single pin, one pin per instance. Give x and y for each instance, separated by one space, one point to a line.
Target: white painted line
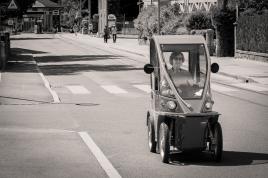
0 76
104 162
78 89
251 86
55 96
145 88
113 89
221 88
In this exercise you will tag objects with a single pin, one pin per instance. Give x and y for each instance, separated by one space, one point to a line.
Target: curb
237 77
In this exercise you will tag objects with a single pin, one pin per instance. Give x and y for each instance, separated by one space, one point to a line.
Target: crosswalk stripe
78 89
113 89
221 88
145 88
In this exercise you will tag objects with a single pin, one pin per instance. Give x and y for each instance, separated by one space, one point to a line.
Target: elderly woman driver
181 78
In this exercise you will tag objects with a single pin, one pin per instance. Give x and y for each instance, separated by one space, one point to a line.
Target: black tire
217 144
164 143
151 137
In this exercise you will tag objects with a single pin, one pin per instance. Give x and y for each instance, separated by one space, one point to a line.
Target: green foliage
70 10
223 17
170 20
199 20
252 33
254 6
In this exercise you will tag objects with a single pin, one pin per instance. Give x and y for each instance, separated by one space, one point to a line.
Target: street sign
111 17
12 5
56 12
10 22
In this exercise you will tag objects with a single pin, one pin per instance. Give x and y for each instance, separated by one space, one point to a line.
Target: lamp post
159 17
235 28
89 11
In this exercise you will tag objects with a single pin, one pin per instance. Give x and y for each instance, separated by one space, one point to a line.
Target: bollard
3 56
7 42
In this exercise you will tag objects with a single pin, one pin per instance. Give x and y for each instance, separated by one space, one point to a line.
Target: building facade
45 14
186 5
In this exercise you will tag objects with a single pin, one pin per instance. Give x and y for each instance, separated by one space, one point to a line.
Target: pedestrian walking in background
75 29
106 34
114 32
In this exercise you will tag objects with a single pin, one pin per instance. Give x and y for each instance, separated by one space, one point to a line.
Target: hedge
252 33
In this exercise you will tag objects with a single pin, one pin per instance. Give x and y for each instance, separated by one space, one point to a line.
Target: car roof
179 39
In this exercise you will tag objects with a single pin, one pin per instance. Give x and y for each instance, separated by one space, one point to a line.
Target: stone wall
252 55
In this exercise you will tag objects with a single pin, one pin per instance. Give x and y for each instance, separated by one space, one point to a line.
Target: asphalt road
99 103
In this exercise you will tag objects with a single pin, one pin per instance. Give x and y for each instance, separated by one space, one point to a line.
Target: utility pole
139 4
159 17
89 11
80 7
235 28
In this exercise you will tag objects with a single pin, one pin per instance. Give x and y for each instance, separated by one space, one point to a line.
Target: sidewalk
21 83
247 71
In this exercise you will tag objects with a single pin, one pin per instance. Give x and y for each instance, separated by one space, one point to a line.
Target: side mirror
148 68
215 68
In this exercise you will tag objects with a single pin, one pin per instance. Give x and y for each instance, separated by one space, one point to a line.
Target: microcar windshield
186 65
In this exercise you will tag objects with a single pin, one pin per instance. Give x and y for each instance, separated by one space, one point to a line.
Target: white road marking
113 89
78 89
104 162
145 88
221 88
55 96
0 76
249 86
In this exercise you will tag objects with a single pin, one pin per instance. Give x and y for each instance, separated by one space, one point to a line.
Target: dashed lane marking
78 89
221 88
145 88
104 162
114 89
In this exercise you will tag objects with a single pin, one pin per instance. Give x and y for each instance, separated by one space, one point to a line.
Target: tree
70 11
199 20
170 20
223 18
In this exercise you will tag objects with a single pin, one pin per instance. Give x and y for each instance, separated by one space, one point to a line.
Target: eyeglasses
178 58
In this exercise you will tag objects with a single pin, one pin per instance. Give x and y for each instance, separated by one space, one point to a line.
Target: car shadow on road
70 69
70 58
21 60
71 64
230 158
22 51
30 38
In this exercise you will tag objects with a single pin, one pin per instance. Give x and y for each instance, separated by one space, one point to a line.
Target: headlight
171 105
165 89
208 105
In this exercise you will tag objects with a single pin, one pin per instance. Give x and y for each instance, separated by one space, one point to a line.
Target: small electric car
181 115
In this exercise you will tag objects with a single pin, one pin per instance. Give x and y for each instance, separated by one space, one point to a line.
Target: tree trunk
225 41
